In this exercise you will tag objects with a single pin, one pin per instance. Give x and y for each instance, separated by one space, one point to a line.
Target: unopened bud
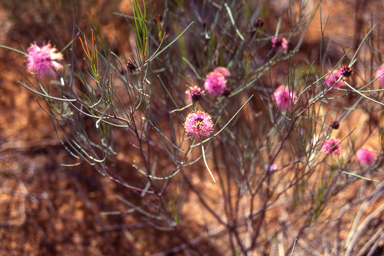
226 92
335 125
345 71
259 22
131 66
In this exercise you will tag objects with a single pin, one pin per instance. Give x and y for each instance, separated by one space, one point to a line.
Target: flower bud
131 66
259 22
345 71
335 125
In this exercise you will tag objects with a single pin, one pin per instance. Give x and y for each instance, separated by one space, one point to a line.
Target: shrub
261 128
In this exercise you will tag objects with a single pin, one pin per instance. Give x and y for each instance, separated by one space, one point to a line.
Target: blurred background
48 209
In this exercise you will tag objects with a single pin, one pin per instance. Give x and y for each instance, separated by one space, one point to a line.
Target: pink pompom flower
332 147
365 156
279 43
43 61
215 83
380 74
195 93
332 78
198 124
284 98
222 70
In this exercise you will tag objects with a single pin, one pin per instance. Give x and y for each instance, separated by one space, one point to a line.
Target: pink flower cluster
332 147
284 98
43 61
198 124
332 78
365 156
279 42
380 74
215 82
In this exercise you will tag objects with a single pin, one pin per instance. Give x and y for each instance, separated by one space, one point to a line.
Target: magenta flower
198 124
195 93
279 43
284 98
332 78
222 71
380 74
365 156
330 147
215 83
43 61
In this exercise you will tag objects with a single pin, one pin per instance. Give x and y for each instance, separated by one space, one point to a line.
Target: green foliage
141 31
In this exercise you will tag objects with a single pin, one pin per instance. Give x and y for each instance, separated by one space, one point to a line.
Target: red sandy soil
48 209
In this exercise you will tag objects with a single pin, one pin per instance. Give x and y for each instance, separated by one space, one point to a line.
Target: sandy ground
47 209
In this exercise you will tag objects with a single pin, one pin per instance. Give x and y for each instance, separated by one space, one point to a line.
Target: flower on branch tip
198 124
333 78
345 71
335 125
365 156
284 98
226 92
332 147
195 93
43 61
259 22
380 74
215 83
279 43
131 66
